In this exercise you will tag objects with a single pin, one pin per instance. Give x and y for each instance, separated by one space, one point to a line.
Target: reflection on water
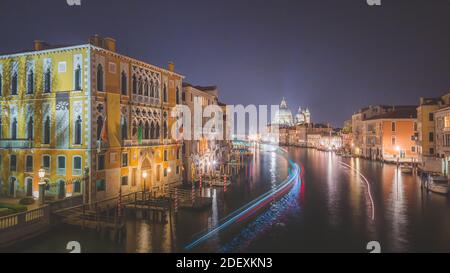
335 211
329 211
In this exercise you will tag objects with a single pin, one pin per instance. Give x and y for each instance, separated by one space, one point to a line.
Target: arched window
178 96
134 84
140 86
165 130
146 88
152 130
47 81
99 78
99 127
30 82
46 139
157 133
124 84
78 78
134 131
30 129
14 129
14 84
78 128
124 128
157 90
147 131
165 97
152 89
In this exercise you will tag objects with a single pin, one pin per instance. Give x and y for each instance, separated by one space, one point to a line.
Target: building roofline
87 46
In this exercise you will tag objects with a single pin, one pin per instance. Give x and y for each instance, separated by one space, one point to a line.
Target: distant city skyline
332 56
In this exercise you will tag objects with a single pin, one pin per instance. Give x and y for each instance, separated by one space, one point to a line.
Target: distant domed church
284 116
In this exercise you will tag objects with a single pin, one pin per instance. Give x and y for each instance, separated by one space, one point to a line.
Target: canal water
330 210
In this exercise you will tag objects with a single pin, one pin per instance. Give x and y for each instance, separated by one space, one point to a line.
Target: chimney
96 40
109 44
171 66
39 45
422 100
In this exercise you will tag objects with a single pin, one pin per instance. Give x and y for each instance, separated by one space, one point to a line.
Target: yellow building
86 107
426 124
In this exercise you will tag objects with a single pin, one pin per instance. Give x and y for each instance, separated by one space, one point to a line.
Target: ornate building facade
86 108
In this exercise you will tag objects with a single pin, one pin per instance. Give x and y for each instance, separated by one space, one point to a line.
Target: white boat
438 184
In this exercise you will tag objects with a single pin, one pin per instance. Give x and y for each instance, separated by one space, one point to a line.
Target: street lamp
41 174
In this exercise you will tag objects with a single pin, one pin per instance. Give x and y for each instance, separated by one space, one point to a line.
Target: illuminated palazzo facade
86 109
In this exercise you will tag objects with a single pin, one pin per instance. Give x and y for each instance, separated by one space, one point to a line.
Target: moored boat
438 184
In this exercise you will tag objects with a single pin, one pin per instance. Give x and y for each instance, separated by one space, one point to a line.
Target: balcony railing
145 99
145 142
16 143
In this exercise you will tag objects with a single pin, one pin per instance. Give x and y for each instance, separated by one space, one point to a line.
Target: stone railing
20 226
67 202
145 100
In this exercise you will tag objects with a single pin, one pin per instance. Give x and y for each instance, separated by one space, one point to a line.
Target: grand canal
339 205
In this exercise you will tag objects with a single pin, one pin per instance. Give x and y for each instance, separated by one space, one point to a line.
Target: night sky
332 56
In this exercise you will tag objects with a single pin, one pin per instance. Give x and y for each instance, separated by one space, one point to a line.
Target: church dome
284 115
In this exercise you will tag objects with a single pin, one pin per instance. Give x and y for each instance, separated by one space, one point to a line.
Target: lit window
447 121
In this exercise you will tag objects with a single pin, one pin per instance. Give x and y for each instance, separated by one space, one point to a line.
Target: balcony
16 143
145 100
145 142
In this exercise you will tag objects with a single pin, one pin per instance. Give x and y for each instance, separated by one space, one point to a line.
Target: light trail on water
252 207
366 181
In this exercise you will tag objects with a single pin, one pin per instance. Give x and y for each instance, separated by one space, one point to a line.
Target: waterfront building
347 136
357 125
86 107
426 127
391 136
200 152
442 130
